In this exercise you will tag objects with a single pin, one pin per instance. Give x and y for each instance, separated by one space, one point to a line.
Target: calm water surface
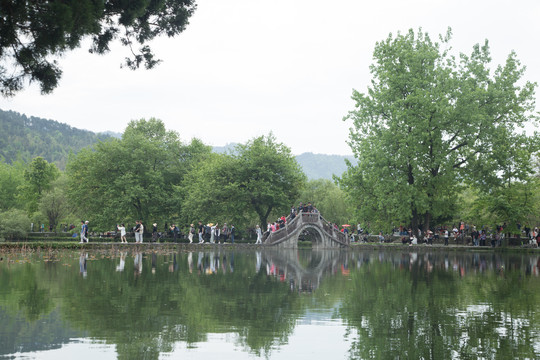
271 305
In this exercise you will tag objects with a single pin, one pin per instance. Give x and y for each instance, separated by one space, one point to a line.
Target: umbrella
345 225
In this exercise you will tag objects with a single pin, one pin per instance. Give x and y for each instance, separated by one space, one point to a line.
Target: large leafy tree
431 122
210 192
38 179
11 178
54 204
132 178
268 178
33 33
260 179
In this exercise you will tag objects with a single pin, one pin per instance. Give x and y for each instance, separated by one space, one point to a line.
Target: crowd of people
214 233
478 237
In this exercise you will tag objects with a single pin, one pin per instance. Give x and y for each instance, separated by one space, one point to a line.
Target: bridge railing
331 230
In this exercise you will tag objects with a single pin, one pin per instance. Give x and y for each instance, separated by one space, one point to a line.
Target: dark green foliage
134 178
259 181
24 138
31 32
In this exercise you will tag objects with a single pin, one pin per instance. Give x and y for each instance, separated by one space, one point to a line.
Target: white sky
244 68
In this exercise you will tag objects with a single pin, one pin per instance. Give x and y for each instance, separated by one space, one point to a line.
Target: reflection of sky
82 349
321 338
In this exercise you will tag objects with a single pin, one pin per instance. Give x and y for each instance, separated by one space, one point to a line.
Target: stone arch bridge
323 233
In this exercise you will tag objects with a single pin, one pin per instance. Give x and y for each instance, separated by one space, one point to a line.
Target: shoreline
64 245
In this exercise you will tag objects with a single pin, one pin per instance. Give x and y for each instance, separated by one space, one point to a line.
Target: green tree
261 178
54 204
11 178
329 199
38 179
210 192
429 123
132 178
33 33
268 178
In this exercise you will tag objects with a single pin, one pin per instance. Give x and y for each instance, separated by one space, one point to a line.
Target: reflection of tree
17 334
414 313
410 305
33 299
145 314
26 317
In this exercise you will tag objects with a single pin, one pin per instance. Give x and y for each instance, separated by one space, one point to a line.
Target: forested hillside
23 137
315 166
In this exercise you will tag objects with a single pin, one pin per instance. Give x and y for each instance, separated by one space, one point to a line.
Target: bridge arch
325 234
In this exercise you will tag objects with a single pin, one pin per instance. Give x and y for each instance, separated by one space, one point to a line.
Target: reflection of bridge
324 234
306 269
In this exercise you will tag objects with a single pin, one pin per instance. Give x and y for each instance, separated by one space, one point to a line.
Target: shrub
14 224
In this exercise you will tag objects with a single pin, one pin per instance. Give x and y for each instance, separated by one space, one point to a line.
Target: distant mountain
315 166
24 138
322 166
228 148
111 134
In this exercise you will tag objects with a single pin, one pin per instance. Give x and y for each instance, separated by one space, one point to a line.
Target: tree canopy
34 33
38 177
431 122
261 179
133 178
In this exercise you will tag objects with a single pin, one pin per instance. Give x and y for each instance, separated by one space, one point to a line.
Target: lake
268 304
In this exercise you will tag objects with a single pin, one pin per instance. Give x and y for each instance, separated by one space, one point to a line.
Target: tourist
83 232
483 238
212 232
201 229
191 232
86 230
122 230
154 232
174 230
139 230
233 231
429 235
259 234
224 233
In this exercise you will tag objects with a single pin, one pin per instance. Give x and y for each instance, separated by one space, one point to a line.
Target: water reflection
393 304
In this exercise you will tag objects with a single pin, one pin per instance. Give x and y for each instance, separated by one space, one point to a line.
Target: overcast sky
244 68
